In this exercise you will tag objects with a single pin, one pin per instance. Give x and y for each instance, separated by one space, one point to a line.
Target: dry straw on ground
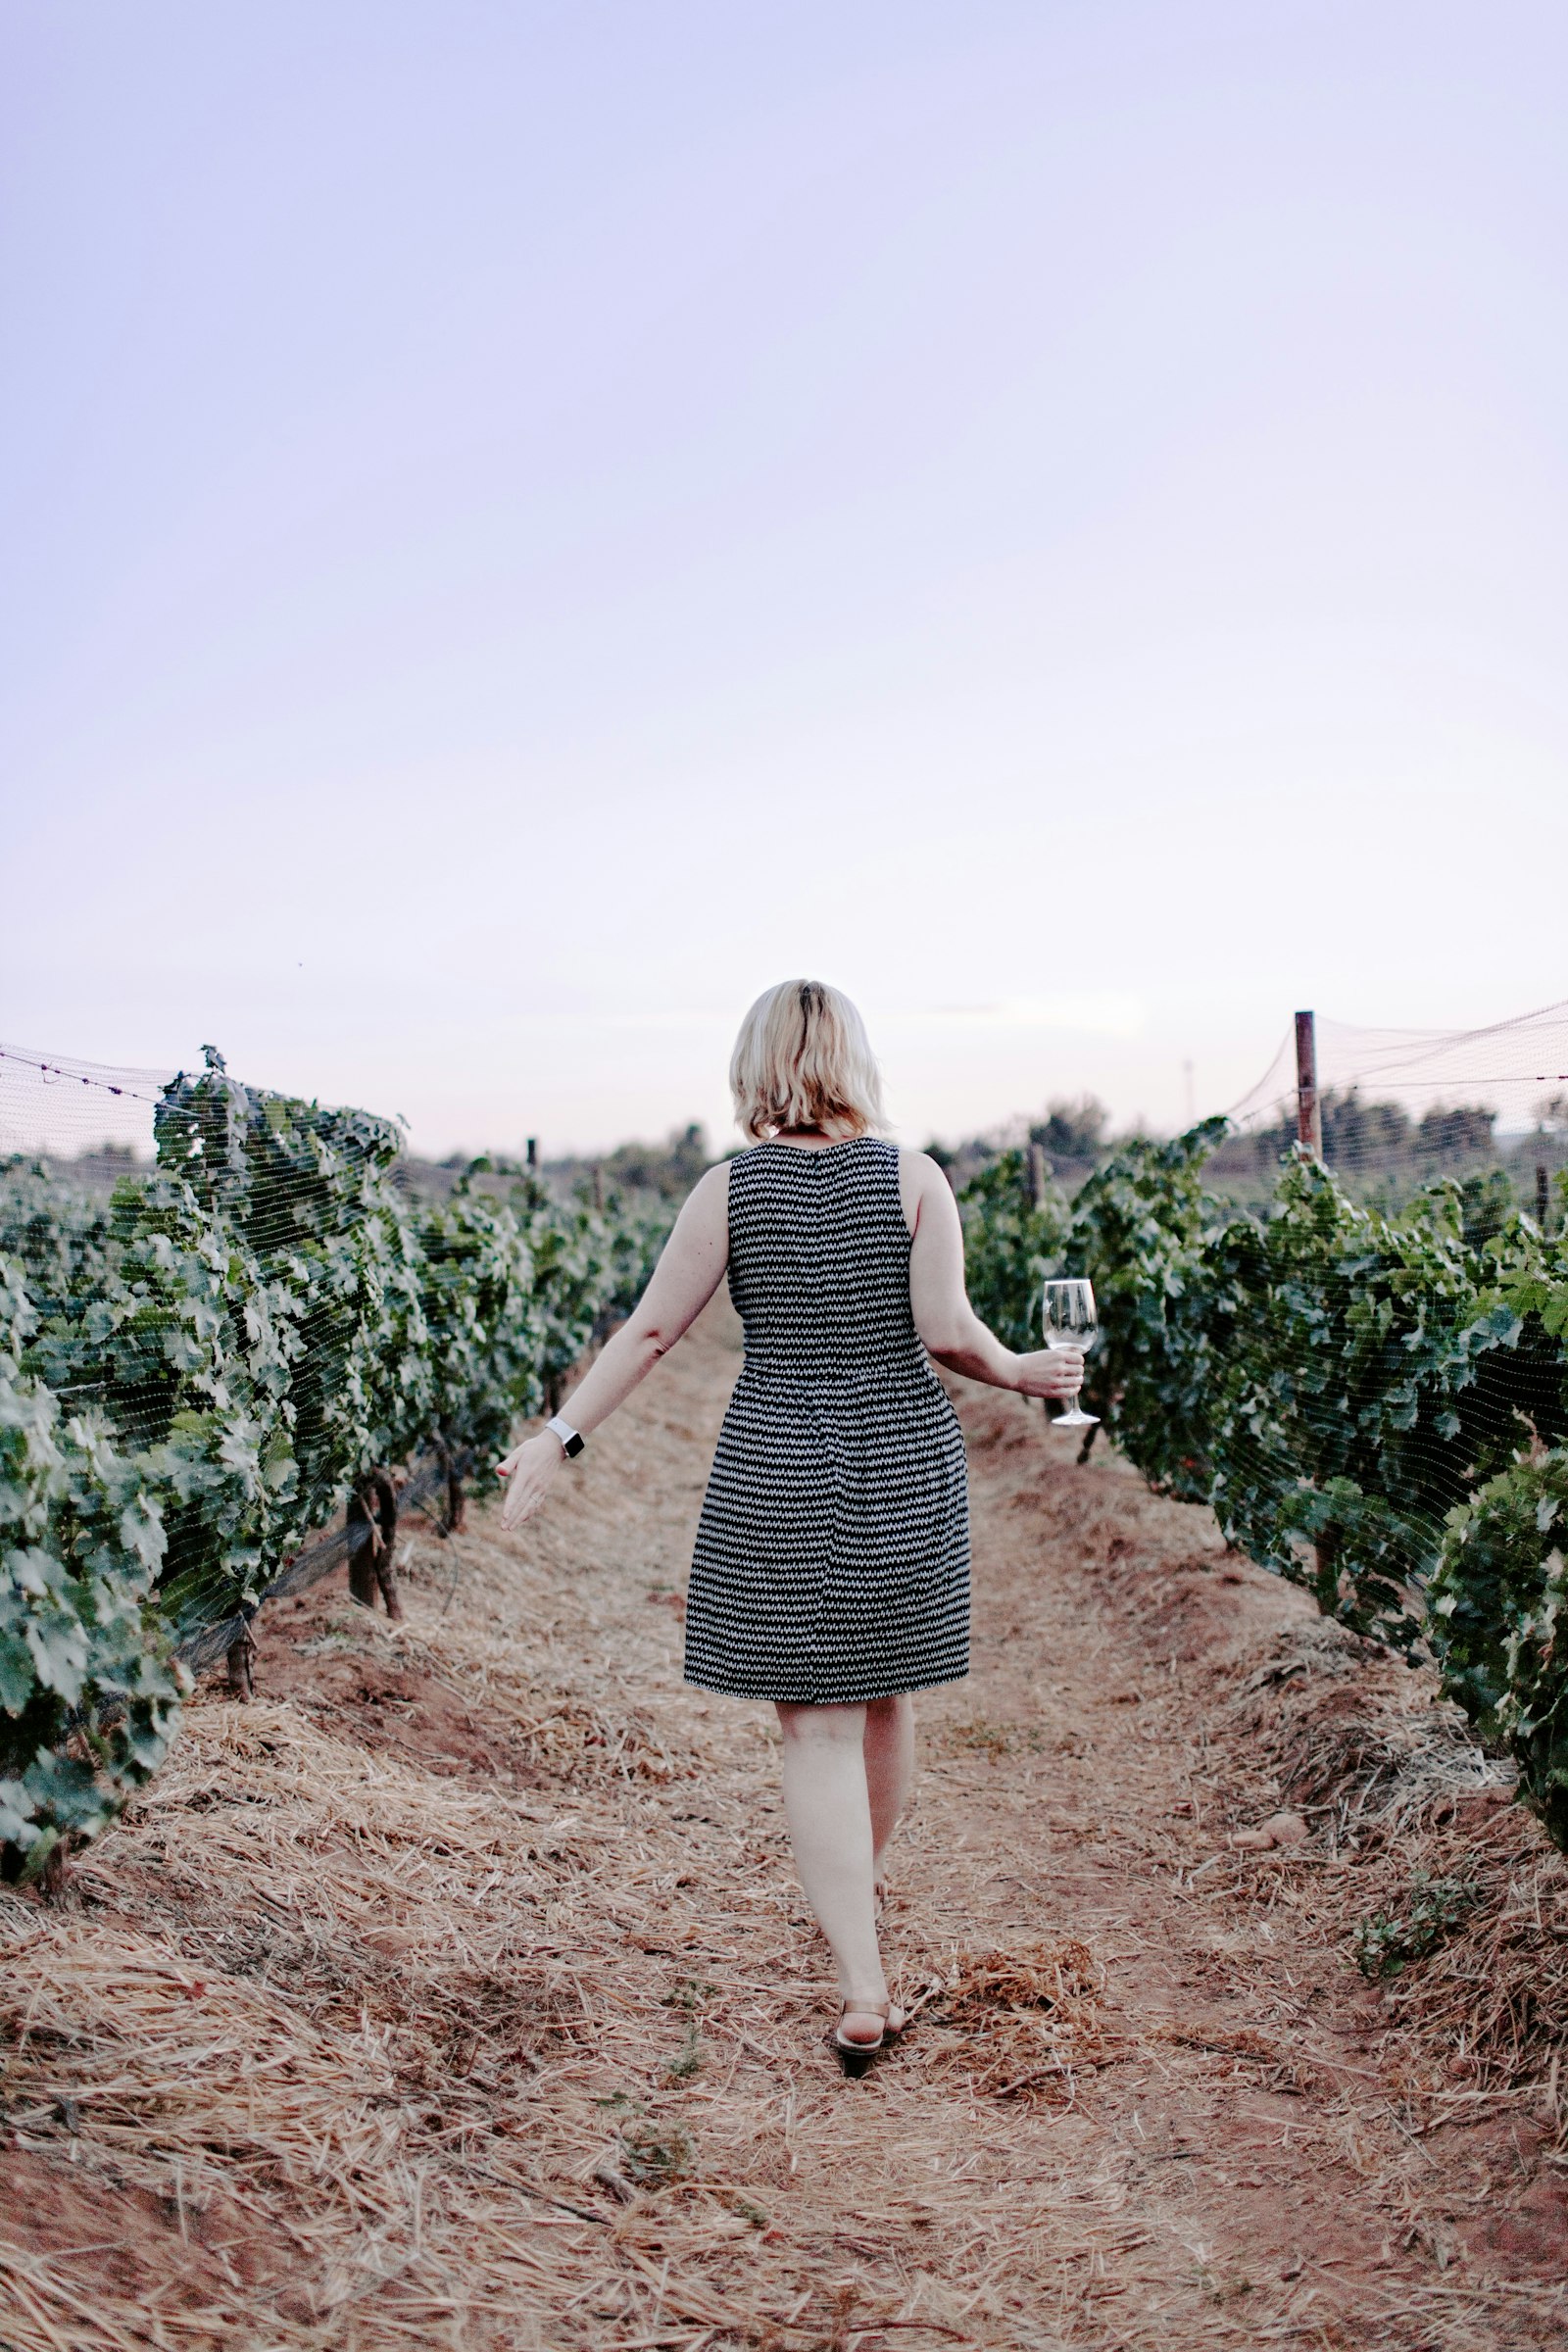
456 1992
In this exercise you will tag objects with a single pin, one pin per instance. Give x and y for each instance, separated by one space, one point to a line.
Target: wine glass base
1075 1420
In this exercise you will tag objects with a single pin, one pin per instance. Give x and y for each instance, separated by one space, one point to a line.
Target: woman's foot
865 2029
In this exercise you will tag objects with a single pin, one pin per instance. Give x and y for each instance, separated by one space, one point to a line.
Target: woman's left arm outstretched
690 1269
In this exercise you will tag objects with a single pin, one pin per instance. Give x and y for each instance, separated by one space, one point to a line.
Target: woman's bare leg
829 1811
889 1769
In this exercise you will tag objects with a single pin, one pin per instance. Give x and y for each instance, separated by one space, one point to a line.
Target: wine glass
1069 1320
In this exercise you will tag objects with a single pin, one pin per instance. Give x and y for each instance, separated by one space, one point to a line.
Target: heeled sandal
857 2056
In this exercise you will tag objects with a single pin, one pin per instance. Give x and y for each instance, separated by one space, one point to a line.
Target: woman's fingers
528 1470
1053 1372
523 1500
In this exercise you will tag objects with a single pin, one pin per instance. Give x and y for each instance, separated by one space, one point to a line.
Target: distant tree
1072 1130
1356 1133
1462 1130
670 1169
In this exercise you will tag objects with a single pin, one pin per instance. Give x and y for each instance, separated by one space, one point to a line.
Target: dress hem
836 1698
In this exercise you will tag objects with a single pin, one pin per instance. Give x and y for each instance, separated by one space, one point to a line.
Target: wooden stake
1039 1174
1543 1196
1308 1107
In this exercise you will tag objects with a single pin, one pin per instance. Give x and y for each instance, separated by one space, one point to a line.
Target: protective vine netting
225 1314
1402 1106
1358 1360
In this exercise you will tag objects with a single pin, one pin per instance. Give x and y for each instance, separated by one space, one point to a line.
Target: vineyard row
1374 1404
196 1374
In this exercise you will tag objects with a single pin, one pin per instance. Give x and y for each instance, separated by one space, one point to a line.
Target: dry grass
1020 2023
1404 1801
456 1992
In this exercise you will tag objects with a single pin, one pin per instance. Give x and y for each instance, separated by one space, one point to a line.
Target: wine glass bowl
1069 1320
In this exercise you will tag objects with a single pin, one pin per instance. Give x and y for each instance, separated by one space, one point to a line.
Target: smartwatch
570 1438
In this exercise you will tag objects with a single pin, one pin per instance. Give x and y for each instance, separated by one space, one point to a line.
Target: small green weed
690 1994
746 2211
1387 1941
656 2152
689 2061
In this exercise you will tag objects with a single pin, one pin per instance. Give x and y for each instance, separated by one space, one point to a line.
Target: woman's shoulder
919 1167
881 1153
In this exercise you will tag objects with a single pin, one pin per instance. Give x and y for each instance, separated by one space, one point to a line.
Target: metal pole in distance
1308 1109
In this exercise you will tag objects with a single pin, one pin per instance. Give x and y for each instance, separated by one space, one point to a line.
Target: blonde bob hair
803 1059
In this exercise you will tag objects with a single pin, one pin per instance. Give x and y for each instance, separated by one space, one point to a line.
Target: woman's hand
528 1470
1050 1372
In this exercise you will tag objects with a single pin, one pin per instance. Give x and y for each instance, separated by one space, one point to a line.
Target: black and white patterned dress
832 1557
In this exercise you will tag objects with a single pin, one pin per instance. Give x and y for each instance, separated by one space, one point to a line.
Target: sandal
856 2056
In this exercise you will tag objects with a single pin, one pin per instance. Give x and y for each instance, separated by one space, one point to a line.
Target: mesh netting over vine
1400 1106
223 1313
1360 1360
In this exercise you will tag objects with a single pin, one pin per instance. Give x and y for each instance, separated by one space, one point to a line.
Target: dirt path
458 1992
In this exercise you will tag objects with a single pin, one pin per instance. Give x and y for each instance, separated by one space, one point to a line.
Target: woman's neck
807 1136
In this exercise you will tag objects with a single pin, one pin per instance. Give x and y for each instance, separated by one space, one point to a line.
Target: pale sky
524 524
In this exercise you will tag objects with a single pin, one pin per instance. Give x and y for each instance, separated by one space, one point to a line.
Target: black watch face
572 1444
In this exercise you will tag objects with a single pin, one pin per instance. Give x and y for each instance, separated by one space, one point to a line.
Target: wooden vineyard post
531 1154
1308 1105
1543 1196
1309 1130
1039 1175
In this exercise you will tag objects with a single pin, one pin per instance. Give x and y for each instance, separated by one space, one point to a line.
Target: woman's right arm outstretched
691 1266
950 1330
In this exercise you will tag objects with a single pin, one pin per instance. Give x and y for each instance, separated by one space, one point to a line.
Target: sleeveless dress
832 1556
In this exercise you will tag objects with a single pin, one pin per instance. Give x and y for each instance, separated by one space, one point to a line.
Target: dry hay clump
1435 1883
975 1735
1254 2059
155 2060
493 1669
336 1982
419 2063
563 1732
1019 2024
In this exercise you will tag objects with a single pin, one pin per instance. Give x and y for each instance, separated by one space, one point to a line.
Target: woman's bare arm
690 1269
948 1326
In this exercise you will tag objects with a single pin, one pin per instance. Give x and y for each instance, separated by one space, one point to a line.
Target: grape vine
1375 1405
197 1375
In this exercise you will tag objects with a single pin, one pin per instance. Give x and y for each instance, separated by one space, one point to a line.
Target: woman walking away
831 1573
